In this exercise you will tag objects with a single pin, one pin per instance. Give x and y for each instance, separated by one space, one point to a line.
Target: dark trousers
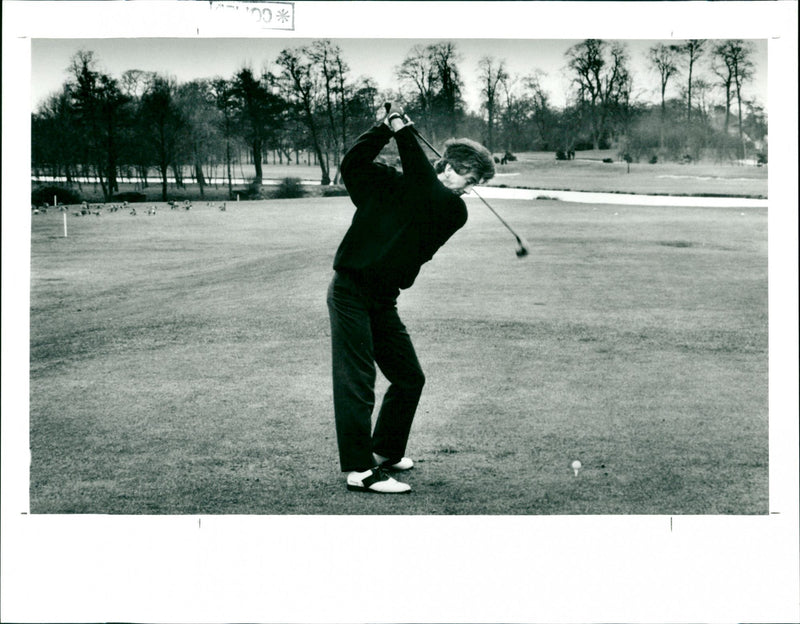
366 330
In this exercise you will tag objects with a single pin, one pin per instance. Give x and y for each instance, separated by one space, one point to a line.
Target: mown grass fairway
180 363
588 172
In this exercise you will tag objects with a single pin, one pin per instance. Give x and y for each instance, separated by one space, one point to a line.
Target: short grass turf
588 172
180 363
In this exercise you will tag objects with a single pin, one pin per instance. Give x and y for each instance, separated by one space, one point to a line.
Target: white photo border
466 569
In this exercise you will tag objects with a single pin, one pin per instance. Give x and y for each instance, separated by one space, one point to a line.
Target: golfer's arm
416 166
357 165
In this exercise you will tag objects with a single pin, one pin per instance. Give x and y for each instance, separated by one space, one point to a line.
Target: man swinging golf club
401 220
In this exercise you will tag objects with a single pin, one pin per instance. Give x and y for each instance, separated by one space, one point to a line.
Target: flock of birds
97 209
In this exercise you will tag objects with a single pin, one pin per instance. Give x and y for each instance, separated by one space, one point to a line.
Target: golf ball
576 465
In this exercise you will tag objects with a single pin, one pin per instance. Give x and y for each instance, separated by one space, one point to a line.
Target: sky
190 58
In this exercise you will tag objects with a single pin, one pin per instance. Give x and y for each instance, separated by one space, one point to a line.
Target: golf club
522 246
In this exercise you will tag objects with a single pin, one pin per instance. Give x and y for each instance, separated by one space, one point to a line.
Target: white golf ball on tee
576 466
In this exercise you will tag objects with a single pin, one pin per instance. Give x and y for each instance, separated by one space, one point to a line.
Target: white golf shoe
375 480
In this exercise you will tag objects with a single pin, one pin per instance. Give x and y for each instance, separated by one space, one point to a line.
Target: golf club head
522 249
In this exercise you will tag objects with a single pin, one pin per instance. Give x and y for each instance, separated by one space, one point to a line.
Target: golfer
401 220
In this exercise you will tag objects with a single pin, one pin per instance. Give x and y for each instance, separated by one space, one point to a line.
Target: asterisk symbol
283 15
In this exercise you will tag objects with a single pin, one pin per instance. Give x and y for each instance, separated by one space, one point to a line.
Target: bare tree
514 113
328 61
755 122
701 89
664 58
162 124
432 72
693 49
362 102
222 92
418 72
449 99
300 77
135 82
100 110
55 137
198 108
492 74
344 90
540 107
257 108
601 82
732 64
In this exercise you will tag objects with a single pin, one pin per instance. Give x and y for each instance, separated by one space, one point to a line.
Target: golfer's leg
397 359
353 374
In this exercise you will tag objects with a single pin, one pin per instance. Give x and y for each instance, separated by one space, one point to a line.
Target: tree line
101 127
605 110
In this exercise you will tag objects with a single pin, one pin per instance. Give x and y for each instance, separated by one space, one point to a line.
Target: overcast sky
189 58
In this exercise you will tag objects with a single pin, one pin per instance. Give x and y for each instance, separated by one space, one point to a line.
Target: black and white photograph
482 299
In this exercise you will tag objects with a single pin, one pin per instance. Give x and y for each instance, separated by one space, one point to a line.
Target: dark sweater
401 220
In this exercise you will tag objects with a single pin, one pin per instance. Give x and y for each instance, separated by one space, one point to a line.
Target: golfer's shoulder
461 212
454 207
363 175
366 147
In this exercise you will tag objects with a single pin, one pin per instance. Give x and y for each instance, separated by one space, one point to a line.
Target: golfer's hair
466 155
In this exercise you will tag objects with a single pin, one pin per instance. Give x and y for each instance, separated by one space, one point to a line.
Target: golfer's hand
397 120
386 111
382 115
